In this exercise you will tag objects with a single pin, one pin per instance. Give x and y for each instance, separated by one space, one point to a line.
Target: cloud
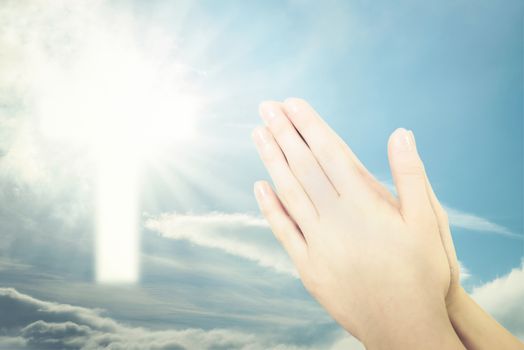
12 343
20 309
30 323
464 272
473 222
504 299
237 234
347 343
11 265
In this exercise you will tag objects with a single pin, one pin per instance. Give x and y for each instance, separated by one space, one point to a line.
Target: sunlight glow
123 102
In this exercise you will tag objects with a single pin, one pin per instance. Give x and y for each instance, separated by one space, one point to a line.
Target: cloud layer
29 323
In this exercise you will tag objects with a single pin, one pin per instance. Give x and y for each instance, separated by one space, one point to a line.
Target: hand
377 265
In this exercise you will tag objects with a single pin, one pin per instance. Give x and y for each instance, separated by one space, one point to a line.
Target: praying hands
383 267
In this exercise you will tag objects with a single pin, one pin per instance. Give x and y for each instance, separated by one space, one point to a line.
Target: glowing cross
122 103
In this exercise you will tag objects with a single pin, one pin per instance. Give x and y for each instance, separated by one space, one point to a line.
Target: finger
409 176
283 227
299 157
291 192
311 125
337 160
445 233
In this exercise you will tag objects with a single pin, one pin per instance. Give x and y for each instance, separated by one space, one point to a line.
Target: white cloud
241 235
464 272
504 299
473 222
216 220
33 323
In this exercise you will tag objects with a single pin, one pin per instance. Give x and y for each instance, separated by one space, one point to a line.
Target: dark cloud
21 310
29 323
65 335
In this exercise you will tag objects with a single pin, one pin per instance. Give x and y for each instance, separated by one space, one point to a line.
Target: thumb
409 175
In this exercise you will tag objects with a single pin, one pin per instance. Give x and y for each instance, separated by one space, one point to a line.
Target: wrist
455 301
475 327
416 327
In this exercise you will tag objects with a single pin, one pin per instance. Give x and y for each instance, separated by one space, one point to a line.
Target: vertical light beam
117 238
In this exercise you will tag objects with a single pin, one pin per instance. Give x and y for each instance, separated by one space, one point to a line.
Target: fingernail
268 112
412 135
261 136
292 104
402 140
261 190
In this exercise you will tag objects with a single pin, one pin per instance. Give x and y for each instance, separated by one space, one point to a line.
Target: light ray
123 97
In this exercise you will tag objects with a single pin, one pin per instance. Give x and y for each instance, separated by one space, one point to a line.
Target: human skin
376 264
476 329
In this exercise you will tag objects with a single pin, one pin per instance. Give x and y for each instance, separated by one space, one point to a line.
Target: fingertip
270 111
268 105
293 104
262 137
257 186
395 133
262 191
400 140
262 106
408 173
257 131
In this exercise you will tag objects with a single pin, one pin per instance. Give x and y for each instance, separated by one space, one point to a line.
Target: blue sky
211 272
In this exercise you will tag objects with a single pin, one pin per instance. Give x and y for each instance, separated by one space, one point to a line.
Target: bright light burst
117 92
123 97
